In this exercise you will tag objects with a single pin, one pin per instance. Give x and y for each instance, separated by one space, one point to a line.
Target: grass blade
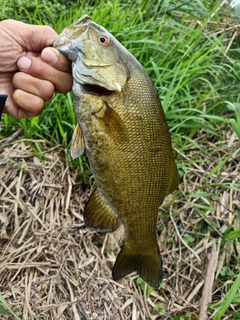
229 298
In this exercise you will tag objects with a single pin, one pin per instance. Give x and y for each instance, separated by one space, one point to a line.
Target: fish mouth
97 90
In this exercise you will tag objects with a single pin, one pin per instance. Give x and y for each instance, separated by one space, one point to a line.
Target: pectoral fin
99 216
110 121
77 146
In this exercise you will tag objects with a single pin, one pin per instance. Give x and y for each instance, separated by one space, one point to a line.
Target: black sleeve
3 98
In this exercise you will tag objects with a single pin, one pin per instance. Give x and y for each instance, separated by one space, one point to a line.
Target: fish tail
147 263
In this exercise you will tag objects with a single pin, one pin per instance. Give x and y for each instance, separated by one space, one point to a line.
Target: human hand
30 72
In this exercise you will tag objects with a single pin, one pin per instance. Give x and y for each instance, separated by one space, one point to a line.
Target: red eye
103 40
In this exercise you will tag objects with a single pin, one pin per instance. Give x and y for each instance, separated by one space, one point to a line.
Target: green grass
231 298
186 62
5 309
195 73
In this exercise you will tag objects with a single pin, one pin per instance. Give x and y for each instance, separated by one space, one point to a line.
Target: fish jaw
92 63
83 74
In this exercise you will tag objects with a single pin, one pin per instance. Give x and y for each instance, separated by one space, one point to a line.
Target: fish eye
103 40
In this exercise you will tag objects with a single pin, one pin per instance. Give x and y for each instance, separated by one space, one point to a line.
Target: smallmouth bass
122 126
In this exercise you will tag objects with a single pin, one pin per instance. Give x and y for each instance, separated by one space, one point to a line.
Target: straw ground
52 267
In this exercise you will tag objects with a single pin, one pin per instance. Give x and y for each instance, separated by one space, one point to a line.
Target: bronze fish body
123 128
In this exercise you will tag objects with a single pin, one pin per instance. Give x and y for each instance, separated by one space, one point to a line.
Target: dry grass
52 267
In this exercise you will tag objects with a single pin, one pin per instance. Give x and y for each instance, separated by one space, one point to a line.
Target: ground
52 267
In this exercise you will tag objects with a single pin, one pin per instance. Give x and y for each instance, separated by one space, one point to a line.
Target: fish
123 129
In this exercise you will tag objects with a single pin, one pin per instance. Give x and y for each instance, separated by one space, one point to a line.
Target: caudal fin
148 265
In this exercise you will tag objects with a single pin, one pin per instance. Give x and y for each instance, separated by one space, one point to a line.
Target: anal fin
99 216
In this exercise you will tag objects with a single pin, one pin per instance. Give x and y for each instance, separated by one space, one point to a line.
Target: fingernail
49 56
24 63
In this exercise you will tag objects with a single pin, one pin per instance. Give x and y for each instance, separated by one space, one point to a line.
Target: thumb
53 70
54 58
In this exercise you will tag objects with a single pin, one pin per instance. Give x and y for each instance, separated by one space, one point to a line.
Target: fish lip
84 75
62 41
70 48
90 85
63 49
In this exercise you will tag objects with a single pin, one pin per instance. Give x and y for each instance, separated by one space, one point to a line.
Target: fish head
98 59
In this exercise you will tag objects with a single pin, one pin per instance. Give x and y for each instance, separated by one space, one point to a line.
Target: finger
42 88
42 70
28 104
54 58
31 37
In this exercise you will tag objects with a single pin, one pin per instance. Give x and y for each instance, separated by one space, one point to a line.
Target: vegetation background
191 50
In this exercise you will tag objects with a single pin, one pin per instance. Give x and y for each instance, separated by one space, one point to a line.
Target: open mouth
97 90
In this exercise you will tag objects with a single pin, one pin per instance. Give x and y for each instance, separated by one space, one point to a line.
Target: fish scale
122 126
